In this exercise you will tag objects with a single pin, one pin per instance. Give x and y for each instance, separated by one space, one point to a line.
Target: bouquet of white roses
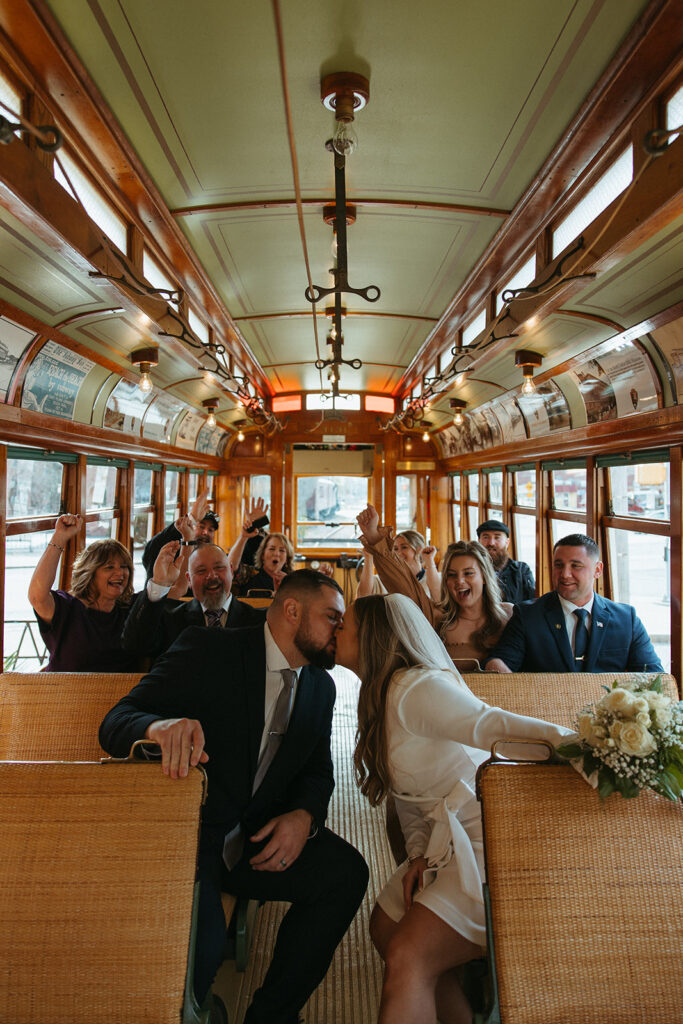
632 739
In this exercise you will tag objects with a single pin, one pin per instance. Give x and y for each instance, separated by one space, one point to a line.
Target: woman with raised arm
272 562
82 627
470 615
421 736
419 557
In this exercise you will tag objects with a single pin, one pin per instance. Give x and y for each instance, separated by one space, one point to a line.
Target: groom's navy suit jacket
218 677
535 639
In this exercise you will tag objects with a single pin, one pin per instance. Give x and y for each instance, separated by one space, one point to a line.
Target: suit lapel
600 617
554 616
195 615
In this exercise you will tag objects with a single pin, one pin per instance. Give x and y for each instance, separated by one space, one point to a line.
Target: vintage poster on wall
161 415
510 418
669 341
14 340
54 380
545 409
126 407
619 383
188 430
209 439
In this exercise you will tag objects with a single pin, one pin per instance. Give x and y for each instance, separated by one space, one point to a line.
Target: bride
417 726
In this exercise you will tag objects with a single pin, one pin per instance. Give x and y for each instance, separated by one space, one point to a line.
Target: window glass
106 527
639 564
474 328
563 528
143 486
473 520
495 488
641 490
406 503
348 400
23 645
521 279
158 279
618 176
525 539
455 511
92 200
171 491
455 484
143 524
259 487
569 488
193 487
473 486
674 112
34 488
525 488
327 507
100 487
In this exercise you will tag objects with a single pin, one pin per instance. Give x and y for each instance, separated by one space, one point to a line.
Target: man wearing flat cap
515 578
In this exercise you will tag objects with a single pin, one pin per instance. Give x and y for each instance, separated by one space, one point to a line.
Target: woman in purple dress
82 628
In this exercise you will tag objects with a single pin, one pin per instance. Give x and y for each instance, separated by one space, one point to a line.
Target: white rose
587 731
661 705
640 704
633 738
618 701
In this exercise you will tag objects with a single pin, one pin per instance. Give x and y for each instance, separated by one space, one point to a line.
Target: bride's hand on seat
413 880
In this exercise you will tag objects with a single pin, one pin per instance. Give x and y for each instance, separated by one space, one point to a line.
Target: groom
218 698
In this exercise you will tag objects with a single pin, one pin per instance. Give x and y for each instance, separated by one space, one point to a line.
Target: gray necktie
234 841
213 618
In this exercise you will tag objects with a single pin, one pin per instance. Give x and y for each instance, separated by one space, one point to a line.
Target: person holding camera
192 530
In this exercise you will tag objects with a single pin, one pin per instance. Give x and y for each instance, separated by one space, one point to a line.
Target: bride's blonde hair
380 655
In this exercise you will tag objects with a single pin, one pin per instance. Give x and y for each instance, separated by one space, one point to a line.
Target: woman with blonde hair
470 614
410 546
82 627
272 561
421 737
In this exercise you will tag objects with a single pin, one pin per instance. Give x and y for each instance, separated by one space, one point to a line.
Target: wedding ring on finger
283 862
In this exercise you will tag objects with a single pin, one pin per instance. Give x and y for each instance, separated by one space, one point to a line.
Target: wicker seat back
56 715
586 899
97 868
552 696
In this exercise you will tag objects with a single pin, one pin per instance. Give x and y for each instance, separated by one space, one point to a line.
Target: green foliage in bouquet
631 739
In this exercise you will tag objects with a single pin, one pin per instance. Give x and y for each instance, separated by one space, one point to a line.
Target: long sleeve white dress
438 733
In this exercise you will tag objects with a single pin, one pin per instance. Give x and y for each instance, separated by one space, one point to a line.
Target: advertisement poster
126 407
510 418
545 409
669 341
619 383
14 341
188 430
209 440
54 380
161 416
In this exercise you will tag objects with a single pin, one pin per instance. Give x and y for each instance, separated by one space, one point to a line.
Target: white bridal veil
417 635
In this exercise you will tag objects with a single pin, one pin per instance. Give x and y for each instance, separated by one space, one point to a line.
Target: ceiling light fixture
459 406
529 361
145 358
211 404
425 424
240 424
344 93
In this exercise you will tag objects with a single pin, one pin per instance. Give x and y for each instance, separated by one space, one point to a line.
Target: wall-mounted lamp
529 361
344 93
459 406
145 358
211 404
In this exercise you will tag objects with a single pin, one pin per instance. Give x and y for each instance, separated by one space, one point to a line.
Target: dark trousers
325 886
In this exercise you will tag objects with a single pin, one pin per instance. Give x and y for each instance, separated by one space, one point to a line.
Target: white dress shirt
570 619
275 662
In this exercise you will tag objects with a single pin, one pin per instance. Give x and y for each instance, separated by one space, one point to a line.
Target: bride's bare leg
417 951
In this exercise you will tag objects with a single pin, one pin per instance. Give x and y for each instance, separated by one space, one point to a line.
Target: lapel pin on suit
599 625
558 625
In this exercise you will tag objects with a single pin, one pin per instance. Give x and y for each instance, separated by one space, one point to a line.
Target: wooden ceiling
481 120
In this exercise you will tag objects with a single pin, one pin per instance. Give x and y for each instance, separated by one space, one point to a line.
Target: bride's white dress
438 733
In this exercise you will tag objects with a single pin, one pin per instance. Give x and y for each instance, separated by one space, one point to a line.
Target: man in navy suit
155 622
213 699
573 629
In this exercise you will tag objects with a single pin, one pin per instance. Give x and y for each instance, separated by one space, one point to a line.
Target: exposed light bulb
211 419
240 435
457 419
145 382
528 387
345 139
425 436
